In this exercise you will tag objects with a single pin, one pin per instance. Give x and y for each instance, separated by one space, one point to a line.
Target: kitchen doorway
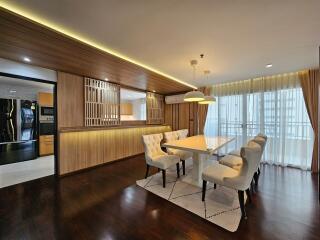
28 123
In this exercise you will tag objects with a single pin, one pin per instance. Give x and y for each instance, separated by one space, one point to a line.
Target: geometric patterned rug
221 206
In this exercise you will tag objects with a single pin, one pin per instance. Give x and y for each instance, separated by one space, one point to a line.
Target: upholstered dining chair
237 151
262 141
234 160
183 155
155 157
183 133
239 180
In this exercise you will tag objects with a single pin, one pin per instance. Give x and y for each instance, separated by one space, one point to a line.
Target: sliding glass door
280 114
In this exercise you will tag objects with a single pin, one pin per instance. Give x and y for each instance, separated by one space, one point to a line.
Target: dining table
202 147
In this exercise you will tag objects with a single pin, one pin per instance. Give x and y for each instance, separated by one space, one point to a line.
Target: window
280 114
132 105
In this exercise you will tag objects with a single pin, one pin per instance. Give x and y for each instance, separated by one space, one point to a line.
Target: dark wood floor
105 203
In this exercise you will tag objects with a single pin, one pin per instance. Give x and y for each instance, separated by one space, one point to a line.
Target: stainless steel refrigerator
18 130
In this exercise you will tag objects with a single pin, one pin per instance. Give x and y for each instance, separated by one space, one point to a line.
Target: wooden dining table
202 148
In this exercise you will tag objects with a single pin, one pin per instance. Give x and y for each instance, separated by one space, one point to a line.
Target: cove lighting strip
76 36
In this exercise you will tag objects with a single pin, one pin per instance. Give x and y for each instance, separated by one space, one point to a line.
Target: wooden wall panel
70 90
83 149
182 115
50 49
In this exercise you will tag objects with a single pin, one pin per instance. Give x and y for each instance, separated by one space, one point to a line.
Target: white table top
200 143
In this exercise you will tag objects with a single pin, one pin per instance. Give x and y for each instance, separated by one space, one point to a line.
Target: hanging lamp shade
193 96
208 100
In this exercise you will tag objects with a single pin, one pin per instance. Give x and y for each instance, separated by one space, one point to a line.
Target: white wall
136 110
27 70
22 92
136 106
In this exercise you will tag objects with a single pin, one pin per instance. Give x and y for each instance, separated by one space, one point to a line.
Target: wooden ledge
86 129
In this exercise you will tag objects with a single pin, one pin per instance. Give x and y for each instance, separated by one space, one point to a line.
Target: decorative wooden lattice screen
155 108
102 103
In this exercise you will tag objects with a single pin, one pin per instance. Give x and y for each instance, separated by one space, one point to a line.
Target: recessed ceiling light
269 65
107 79
26 59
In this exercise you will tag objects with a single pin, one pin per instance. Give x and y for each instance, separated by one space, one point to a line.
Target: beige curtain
261 84
203 110
310 84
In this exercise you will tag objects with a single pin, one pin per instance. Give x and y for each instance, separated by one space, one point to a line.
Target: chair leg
184 167
248 192
214 186
242 207
252 187
178 170
163 178
147 172
256 178
259 172
204 188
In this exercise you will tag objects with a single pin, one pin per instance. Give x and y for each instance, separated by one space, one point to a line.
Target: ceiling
237 38
22 83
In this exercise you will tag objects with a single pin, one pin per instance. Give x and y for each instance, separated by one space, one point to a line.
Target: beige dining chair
155 157
239 180
183 133
183 155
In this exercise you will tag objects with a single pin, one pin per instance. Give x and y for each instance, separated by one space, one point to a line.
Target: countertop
85 129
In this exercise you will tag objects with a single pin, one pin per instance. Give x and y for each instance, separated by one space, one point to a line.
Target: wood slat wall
70 100
84 149
50 49
155 108
182 115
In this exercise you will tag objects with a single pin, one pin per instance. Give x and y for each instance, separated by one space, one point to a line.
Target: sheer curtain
271 105
224 118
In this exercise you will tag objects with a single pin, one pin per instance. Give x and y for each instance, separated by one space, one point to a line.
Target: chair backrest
251 154
183 133
261 141
262 135
171 136
152 146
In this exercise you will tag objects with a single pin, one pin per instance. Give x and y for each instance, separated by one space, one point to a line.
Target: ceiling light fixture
26 59
27 14
106 79
13 91
207 99
154 91
269 65
195 95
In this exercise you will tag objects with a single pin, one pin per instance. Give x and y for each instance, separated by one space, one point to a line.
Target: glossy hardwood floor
105 203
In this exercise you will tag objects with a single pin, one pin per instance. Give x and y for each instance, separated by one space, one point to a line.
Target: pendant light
207 99
195 95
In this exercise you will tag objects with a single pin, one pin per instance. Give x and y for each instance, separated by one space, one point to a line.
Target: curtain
203 110
225 118
261 84
310 86
272 105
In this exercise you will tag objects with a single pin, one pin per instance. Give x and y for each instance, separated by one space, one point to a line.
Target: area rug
221 206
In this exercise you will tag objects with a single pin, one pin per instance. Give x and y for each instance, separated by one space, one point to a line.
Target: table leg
199 162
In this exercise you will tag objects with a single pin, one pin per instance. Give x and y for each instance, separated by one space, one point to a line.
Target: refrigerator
18 130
